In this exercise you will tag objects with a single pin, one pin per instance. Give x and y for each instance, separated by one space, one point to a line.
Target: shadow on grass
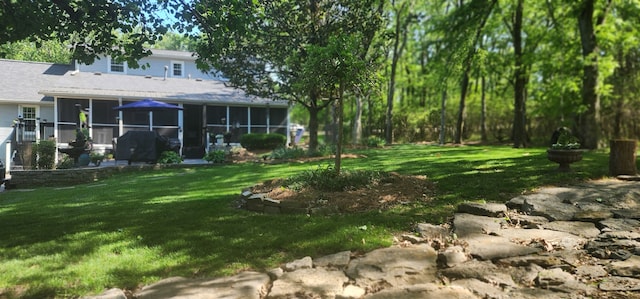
137 228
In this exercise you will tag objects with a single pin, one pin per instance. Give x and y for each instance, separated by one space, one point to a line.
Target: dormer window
177 68
117 67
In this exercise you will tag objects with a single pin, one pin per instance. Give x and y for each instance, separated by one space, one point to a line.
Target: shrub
287 153
215 156
327 179
46 152
65 162
323 150
374 141
262 141
169 157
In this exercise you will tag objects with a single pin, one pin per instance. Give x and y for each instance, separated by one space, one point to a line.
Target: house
42 99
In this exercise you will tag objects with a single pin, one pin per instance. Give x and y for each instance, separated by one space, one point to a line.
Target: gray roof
37 83
20 81
184 55
180 90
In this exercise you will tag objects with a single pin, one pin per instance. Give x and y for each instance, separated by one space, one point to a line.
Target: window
29 123
177 69
117 67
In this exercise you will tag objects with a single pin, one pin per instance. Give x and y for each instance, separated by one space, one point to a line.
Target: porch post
7 159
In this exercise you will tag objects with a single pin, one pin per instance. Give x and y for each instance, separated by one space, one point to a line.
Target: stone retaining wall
74 176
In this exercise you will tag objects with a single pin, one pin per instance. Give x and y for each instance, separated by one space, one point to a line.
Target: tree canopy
122 29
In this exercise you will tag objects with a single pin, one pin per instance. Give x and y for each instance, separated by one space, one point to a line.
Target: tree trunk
462 110
357 122
483 109
520 80
313 129
622 159
443 116
339 118
588 121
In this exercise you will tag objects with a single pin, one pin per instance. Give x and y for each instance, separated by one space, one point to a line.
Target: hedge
262 141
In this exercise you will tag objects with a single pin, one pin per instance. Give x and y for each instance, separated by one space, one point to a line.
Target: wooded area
404 70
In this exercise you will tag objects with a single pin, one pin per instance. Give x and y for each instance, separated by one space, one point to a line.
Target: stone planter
564 157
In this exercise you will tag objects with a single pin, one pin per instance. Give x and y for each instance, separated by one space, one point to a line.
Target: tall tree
261 46
588 20
44 51
119 28
402 18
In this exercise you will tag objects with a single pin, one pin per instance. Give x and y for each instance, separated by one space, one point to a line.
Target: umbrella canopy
148 105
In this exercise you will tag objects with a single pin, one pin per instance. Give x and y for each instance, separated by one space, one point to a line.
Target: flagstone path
559 242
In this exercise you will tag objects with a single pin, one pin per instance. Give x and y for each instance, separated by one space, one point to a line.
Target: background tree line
405 70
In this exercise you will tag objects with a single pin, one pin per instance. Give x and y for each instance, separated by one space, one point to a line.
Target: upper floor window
177 69
117 67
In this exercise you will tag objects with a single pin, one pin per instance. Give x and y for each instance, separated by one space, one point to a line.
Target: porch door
194 138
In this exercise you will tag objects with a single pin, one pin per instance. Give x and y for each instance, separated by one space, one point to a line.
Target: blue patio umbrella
149 105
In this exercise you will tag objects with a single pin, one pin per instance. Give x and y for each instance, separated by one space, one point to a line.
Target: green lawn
137 228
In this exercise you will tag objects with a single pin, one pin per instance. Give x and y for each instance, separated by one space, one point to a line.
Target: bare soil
395 189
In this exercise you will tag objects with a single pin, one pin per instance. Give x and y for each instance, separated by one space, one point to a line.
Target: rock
616 283
550 278
582 229
485 247
549 206
303 263
627 213
528 221
480 288
482 270
308 283
412 239
483 209
629 268
627 235
394 266
517 203
525 275
108 294
351 292
620 224
451 256
430 231
423 291
545 261
275 273
558 280
467 224
591 271
244 285
559 240
593 213
338 260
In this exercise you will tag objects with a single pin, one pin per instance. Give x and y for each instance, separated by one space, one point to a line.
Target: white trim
171 69
124 67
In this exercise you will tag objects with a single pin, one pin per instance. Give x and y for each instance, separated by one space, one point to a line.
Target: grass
137 228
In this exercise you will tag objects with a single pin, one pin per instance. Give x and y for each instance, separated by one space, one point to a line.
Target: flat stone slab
468 224
617 283
628 268
485 247
556 238
424 291
394 266
308 283
338 260
483 209
250 285
549 206
582 229
620 224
